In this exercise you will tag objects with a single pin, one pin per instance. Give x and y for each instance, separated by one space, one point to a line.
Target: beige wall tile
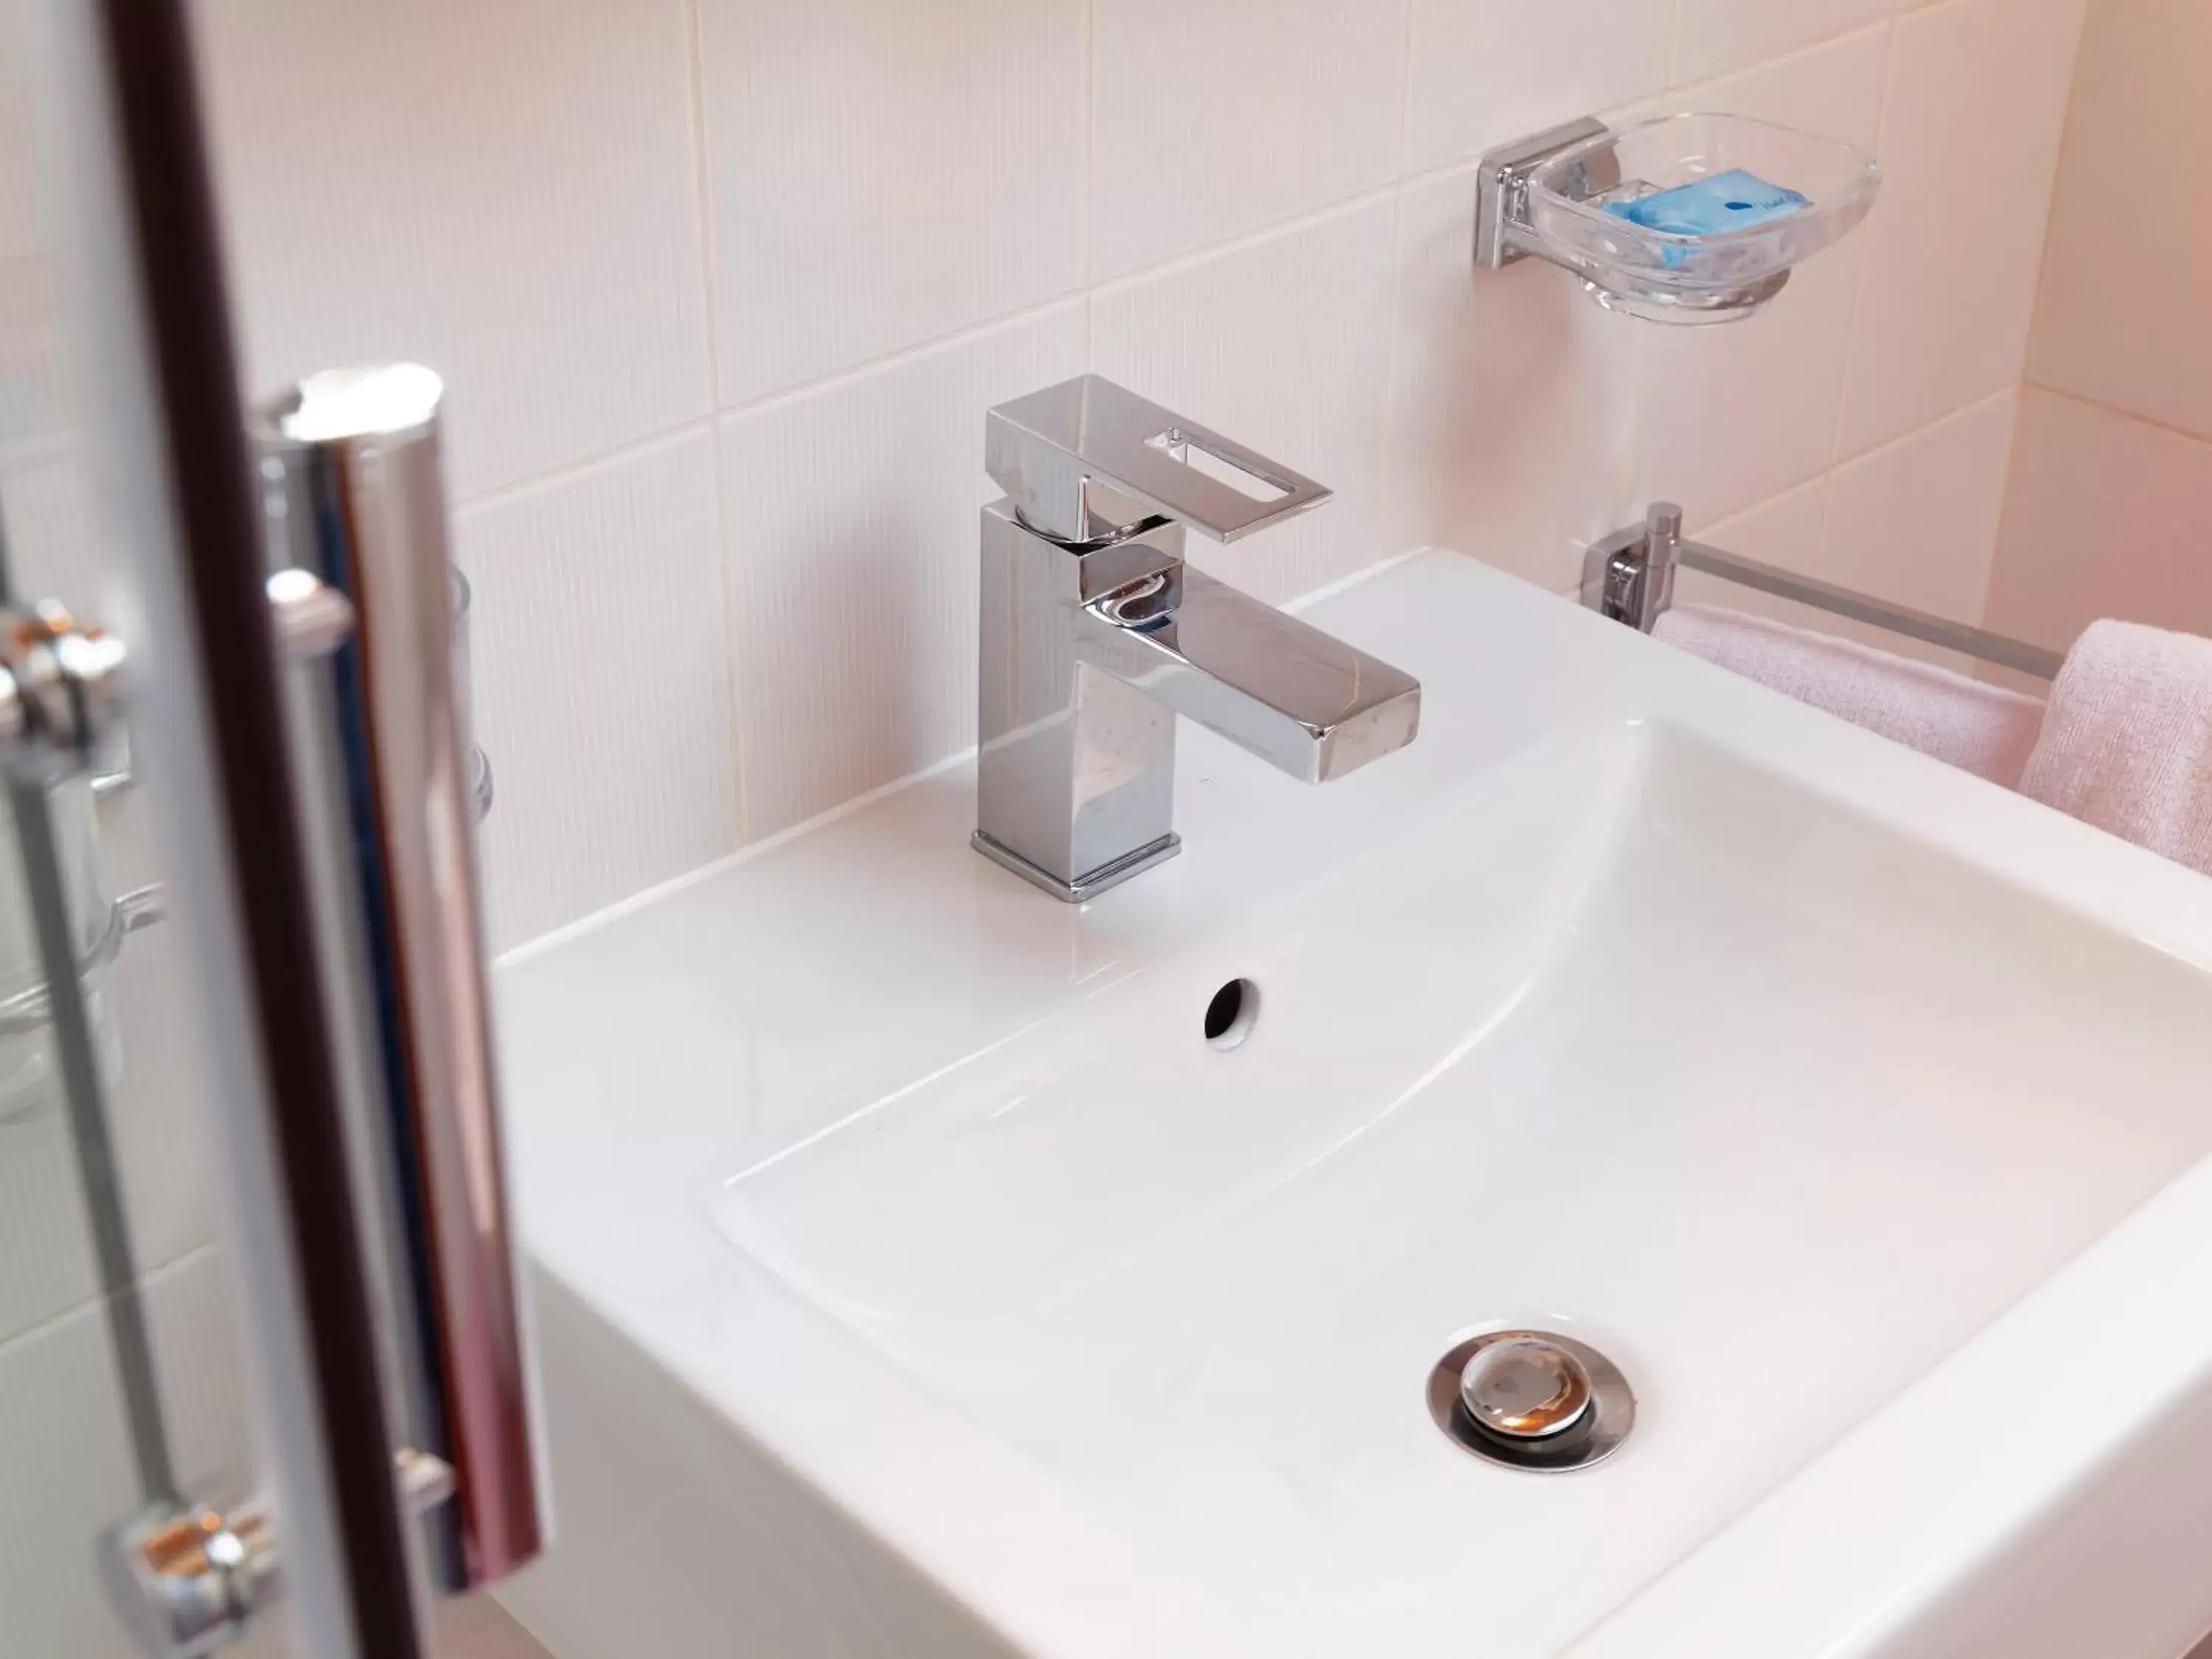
2125 317
2104 516
1484 71
1916 522
1283 345
1715 36
851 529
601 684
1732 414
1211 118
1512 408
883 175
1976 101
504 190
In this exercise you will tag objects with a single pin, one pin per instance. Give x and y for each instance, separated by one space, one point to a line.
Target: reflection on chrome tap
1096 634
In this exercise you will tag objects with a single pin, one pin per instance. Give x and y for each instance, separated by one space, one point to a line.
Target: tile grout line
629 449
902 356
1089 161
735 793
2186 433
1827 474
1393 307
2035 311
1406 103
1796 54
1090 176
1344 207
48 1324
1858 294
539 944
2051 201
2004 498
1170 265
703 195
1944 417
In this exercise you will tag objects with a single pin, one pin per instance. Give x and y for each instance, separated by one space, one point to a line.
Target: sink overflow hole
1231 1014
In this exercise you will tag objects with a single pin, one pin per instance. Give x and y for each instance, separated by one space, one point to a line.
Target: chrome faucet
1096 635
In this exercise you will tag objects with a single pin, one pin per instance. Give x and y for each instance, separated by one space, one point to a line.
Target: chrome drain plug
1534 1400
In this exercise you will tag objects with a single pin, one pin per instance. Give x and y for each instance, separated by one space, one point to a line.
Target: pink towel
2128 744
1983 729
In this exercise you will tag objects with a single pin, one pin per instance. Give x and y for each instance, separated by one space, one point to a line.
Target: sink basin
1823 1090
1636 1042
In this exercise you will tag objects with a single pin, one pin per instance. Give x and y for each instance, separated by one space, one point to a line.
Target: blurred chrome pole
354 494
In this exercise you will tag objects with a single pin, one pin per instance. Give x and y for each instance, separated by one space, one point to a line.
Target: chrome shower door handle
354 498
1087 461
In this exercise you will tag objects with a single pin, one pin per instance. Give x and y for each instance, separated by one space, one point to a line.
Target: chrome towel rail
1630 577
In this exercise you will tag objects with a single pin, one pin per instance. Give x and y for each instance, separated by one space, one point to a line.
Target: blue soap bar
1726 201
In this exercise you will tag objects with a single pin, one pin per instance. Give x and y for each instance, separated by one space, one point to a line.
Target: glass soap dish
1750 201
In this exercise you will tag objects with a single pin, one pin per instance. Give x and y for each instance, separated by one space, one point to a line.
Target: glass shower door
263 1383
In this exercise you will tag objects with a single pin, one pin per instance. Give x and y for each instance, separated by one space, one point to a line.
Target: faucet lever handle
1087 460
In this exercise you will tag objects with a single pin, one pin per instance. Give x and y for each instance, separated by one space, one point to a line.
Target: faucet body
1096 635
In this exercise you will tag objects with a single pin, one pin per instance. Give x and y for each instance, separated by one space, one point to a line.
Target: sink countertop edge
1529 663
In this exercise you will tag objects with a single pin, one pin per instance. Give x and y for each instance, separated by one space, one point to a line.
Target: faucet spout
1298 698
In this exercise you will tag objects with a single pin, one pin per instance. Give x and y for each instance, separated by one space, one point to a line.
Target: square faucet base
1087 886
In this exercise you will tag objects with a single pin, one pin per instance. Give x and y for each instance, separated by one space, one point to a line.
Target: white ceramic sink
921 1281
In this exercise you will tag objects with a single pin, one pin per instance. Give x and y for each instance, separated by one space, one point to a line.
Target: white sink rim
1594 669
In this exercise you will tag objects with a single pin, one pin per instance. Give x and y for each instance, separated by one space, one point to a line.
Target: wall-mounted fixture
1629 577
1677 219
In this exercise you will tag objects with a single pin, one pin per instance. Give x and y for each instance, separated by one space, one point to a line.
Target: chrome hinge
190 1579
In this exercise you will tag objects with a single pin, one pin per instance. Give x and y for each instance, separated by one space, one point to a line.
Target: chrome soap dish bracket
1570 196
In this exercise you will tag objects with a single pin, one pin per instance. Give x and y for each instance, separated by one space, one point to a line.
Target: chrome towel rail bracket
1630 577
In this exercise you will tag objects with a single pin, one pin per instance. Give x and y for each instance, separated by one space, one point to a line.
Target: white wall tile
47 1265
47 497
191 1321
1975 106
1786 532
894 200
1214 117
61 1438
1732 414
32 353
455 1618
853 549
1715 36
504 190
2122 317
1512 406
159 1133
500 1637
601 684
2105 517
20 233
1916 522
61 1442
1790 531
1283 345
885 174
1484 71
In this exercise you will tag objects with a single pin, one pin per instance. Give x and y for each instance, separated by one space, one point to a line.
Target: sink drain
1533 1400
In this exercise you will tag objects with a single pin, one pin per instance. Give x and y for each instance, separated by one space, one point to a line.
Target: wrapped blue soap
1723 202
